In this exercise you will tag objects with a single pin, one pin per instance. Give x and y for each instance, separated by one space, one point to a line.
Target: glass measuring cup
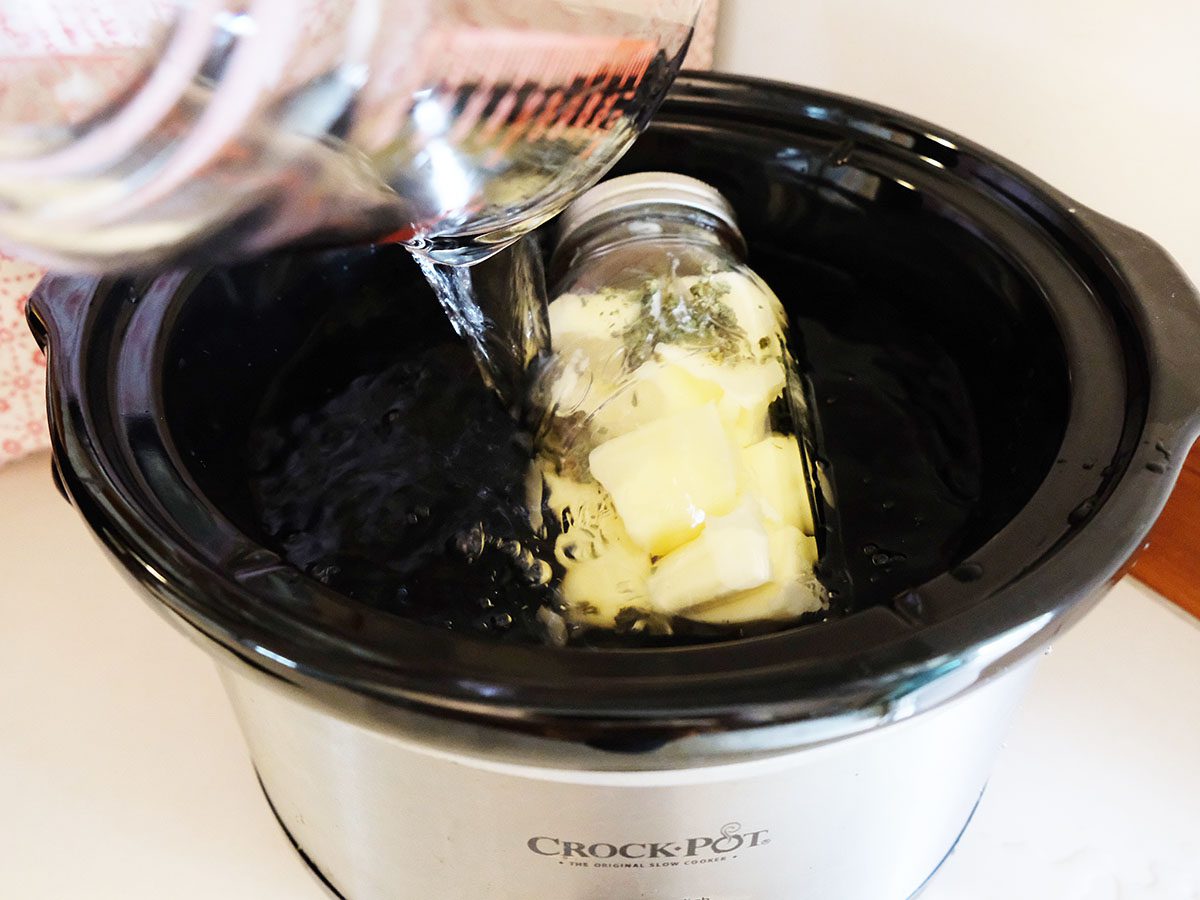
144 131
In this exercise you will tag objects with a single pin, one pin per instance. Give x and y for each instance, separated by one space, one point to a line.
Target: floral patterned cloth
704 41
22 366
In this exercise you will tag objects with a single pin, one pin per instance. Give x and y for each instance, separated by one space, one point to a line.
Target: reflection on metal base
325 882
924 884
338 895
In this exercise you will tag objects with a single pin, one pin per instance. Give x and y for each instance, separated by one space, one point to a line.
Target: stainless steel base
383 815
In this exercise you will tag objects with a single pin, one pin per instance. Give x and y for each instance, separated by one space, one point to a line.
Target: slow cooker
836 760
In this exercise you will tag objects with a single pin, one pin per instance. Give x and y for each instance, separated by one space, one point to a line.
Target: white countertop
123 776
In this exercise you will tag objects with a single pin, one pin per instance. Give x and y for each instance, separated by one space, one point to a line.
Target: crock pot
838 760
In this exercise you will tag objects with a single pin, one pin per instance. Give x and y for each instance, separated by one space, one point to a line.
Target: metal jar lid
644 188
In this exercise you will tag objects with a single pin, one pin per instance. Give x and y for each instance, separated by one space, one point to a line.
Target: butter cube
586 519
771 602
748 387
750 390
793 553
792 591
731 555
668 477
745 382
576 318
654 390
561 493
746 425
750 384
597 589
605 571
757 311
590 354
775 476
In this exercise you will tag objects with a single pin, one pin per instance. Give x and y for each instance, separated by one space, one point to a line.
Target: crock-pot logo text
709 848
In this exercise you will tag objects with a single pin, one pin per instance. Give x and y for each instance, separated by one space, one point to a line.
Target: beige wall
1100 97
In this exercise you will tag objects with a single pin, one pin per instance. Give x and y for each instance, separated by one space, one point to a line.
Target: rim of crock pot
751 682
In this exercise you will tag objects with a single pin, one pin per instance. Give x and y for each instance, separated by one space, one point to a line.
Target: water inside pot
360 444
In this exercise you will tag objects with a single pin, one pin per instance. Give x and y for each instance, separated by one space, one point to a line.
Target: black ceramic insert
1071 338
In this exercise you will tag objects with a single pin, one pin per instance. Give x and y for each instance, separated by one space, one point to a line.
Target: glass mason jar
138 132
670 471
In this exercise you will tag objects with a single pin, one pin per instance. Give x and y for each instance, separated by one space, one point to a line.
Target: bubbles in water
554 627
388 422
541 573
325 572
910 604
494 621
470 543
566 551
880 557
